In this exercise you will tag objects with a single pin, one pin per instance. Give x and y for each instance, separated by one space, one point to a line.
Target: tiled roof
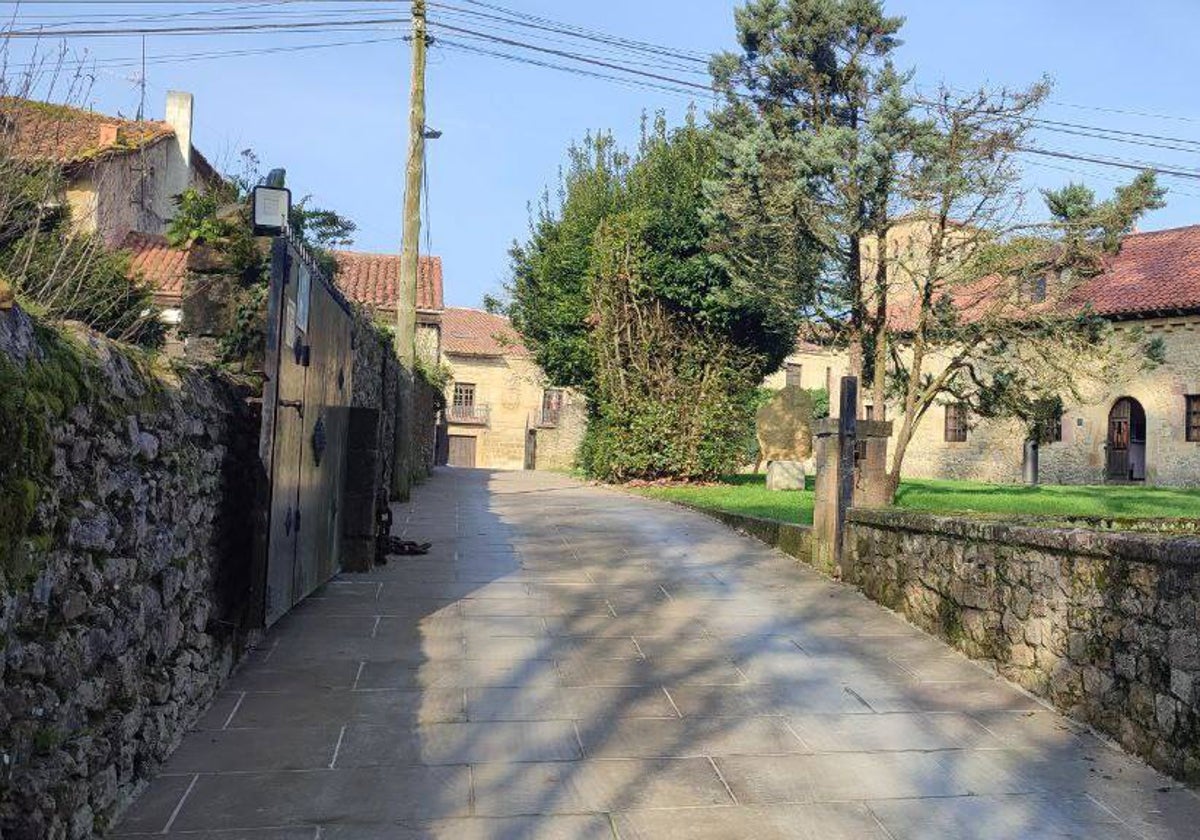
371 279
1155 272
473 332
40 131
156 262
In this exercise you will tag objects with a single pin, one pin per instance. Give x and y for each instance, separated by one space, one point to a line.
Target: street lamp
272 207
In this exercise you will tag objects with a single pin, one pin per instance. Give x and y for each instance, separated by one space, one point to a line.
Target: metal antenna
141 112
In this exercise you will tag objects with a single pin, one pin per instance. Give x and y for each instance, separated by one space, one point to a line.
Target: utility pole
406 291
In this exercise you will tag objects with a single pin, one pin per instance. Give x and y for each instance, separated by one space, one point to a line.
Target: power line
206 30
631 55
1041 164
579 71
186 58
604 55
1097 132
574 57
498 17
1139 166
557 27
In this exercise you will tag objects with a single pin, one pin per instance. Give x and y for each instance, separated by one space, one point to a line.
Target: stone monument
785 441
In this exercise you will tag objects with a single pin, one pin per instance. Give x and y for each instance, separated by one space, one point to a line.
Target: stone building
500 411
499 414
1143 426
371 279
121 175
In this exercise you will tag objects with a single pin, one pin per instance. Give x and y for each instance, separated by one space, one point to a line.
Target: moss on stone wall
33 395
1102 622
126 516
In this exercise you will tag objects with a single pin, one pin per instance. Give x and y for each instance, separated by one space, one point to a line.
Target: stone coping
791 538
1147 542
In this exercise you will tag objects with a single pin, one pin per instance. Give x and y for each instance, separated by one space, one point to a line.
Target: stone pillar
208 311
870 463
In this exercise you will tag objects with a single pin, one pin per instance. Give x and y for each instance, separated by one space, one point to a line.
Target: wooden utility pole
406 291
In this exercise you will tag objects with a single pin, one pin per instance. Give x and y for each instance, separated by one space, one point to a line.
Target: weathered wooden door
306 398
462 451
1126 444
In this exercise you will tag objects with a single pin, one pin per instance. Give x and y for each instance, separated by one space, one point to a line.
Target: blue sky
336 118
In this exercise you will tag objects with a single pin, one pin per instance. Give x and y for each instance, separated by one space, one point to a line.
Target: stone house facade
121 175
1142 426
500 411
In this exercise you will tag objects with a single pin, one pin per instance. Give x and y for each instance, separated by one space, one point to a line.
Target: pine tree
813 123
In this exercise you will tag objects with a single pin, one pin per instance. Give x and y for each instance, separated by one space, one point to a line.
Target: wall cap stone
1141 540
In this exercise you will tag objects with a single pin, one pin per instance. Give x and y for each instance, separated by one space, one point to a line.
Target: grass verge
749 496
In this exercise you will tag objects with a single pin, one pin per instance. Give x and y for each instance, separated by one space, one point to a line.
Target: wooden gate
306 398
461 451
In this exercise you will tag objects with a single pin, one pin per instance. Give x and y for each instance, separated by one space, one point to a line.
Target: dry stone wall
1103 623
120 609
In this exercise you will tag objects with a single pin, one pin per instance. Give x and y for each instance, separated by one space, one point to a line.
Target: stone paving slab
574 662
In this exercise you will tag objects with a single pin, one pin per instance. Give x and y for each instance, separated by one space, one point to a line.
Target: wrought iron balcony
477 414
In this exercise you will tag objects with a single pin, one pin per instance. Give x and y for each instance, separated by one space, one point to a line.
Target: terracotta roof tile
156 262
1155 272
473 332
371 279
41 131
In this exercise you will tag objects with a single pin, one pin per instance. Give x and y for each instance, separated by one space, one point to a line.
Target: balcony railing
476 414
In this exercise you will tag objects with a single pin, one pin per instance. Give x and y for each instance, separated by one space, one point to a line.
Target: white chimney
179 117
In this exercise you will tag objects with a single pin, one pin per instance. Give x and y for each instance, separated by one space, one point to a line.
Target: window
792 374
1192 417
1037 289
829 382
464 395
1053 432
463 408
956 423
552 402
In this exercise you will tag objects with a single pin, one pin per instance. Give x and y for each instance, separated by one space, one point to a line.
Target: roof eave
1150 314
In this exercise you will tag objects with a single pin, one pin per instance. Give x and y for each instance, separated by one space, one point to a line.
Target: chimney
179 117
110 133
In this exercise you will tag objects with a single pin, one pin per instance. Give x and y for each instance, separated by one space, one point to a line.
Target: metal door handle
296 404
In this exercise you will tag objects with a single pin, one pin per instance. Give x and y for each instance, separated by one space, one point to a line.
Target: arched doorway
1126 441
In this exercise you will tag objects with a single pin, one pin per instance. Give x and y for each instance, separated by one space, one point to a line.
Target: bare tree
977 303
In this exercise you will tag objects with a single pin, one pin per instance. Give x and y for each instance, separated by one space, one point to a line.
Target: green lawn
748 495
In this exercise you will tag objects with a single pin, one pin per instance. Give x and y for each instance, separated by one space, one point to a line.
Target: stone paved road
573 662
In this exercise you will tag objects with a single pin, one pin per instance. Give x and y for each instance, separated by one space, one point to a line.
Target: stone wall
122 599
428 413
1103 623
558 445
374 384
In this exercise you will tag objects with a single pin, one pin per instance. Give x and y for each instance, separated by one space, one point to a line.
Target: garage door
462 451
